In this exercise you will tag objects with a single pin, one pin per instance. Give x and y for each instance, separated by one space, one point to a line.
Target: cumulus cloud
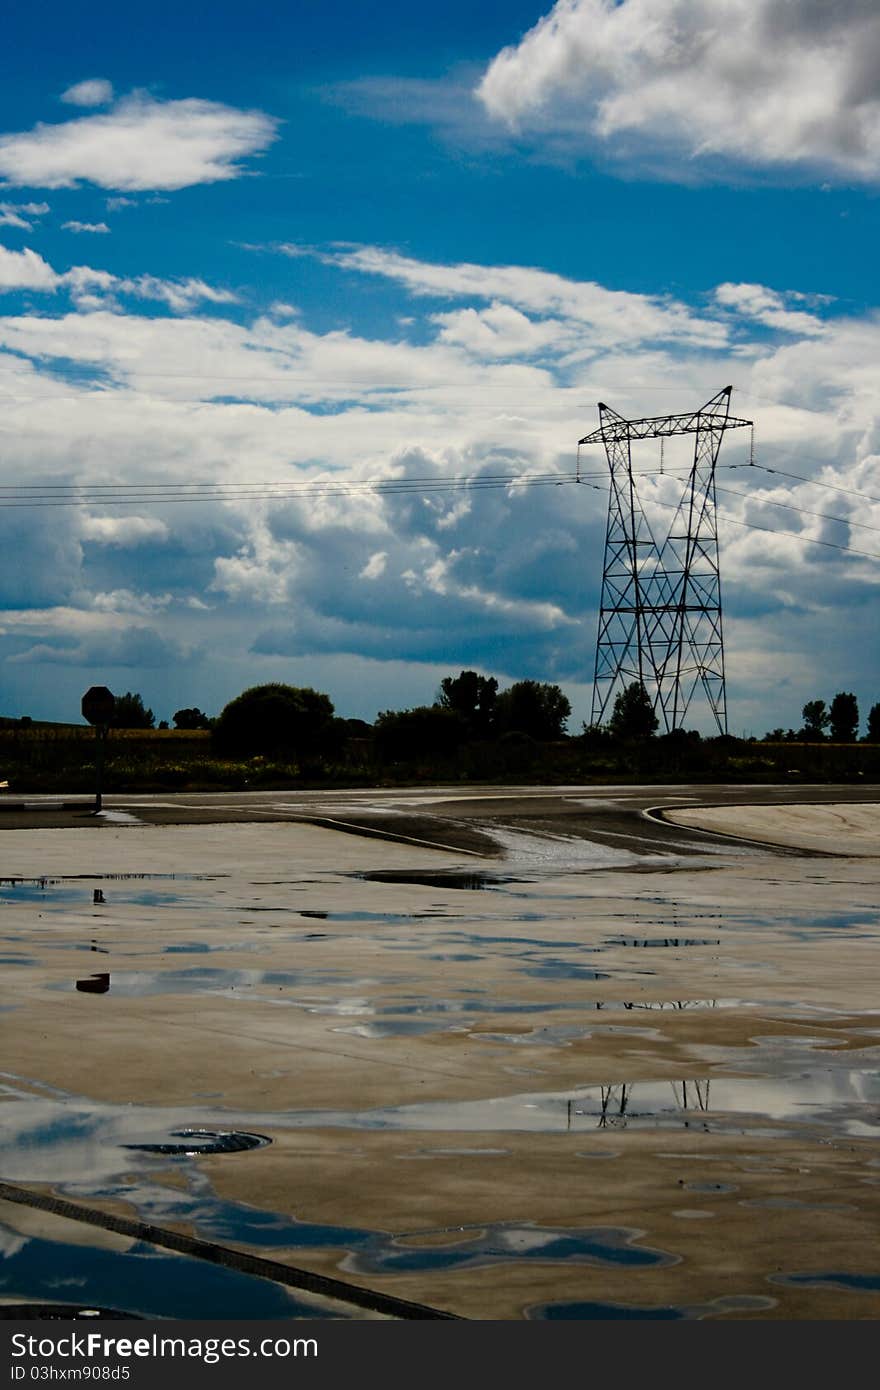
25 270
123 530
140 144
485 378
94 91
756 82
179 295
143 647
375 566
769 307
74 226
72 636
21 215
92 288
613 316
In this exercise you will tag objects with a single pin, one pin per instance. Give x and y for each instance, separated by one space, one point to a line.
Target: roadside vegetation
276 735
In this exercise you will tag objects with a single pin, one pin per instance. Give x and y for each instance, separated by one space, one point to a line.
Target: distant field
62 757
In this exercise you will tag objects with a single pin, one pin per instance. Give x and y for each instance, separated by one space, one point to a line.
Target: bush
273 718
427 731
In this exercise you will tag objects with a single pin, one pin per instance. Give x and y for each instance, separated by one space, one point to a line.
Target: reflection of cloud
11 1242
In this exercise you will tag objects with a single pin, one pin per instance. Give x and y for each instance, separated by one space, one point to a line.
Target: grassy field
62 758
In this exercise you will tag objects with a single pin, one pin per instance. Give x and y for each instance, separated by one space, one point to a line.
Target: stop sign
98 705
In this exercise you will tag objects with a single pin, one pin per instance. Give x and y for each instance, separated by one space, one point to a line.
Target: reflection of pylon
660 611
691 1095
615 1102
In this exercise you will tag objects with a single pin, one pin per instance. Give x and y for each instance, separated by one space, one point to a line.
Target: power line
805 511
135 495
808 482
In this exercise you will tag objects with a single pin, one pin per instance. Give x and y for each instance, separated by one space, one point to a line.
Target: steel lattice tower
660 614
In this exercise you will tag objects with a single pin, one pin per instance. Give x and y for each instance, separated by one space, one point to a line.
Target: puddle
119 1153
558 969
524 1242
400 1028
89 1151
204 979
428 1006
148 1282
80 1136
203 948
46 880
45 1312
671 941
613 1312
709 1187
58 894
843 1100
851 1283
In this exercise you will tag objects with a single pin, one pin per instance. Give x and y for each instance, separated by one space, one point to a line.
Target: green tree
844 717
873 734
816 720
534 708
129 713
472 696
425 732
633 716
273 718
191 719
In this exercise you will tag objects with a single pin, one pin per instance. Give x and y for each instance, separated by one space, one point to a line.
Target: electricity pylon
660 613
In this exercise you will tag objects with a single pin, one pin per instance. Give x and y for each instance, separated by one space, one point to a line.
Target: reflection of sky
46 1139
833 1098
143 1281
204 979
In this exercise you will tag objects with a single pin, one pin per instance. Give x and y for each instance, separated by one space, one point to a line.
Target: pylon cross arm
618 430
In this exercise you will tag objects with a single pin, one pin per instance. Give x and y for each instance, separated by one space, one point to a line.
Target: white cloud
140 144
74 226
95 91
25 270
21 215
505 578
613 316
127 601
123 530
375 566
758 82
501 331
768 307
92 289
179 295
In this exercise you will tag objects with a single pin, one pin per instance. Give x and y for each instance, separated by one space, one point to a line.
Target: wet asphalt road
453 817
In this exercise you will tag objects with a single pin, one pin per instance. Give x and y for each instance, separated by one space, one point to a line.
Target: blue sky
304 243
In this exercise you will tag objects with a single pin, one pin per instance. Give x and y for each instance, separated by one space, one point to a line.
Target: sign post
98 705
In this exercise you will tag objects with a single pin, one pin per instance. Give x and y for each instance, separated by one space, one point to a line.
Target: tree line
837 723
467 708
